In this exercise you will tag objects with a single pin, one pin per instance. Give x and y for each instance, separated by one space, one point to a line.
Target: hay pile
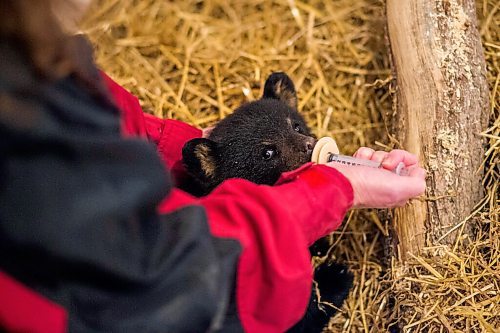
198 60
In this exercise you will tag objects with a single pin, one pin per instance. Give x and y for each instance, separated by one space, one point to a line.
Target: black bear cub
258 142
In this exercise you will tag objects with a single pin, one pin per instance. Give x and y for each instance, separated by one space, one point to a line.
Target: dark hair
33 26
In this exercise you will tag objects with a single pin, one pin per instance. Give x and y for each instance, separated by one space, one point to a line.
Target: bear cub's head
258 141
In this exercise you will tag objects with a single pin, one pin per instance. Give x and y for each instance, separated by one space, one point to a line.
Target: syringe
326 150
400 170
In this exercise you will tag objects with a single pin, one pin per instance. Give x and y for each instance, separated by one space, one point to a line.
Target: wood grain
441 107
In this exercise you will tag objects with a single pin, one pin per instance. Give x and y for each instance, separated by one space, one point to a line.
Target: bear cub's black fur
258 142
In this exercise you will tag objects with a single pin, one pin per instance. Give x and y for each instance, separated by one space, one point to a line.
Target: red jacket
274 224
274 273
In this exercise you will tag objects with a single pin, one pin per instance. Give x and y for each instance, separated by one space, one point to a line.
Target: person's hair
32 26
39 28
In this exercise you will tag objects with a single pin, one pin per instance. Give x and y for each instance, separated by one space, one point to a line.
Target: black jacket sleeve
78 221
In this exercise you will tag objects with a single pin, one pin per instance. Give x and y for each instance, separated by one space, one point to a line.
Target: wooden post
441 107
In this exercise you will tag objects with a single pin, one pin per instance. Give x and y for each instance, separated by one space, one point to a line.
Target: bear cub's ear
198 156
280 86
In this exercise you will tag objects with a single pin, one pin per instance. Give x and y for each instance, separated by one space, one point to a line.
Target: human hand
379 187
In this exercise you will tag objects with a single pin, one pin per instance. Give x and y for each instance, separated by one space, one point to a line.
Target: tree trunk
441 107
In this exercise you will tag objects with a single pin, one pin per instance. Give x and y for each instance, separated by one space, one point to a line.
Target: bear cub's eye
268 153
297 128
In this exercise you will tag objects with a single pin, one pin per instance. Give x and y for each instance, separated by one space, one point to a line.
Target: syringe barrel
348 160
400 170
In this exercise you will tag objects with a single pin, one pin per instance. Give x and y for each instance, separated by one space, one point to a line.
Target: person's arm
275 225
79 223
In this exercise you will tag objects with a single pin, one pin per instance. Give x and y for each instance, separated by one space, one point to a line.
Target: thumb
417 172
414 184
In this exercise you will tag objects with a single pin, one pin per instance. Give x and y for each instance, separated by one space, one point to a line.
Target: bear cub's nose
309 145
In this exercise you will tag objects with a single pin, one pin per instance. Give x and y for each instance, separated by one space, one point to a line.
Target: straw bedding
198 60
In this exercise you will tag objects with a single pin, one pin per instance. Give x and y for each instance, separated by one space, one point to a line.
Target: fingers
389 160
370 154
379 156
394 157
364 153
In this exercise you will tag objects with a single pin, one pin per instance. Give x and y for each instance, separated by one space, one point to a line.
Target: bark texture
441 107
